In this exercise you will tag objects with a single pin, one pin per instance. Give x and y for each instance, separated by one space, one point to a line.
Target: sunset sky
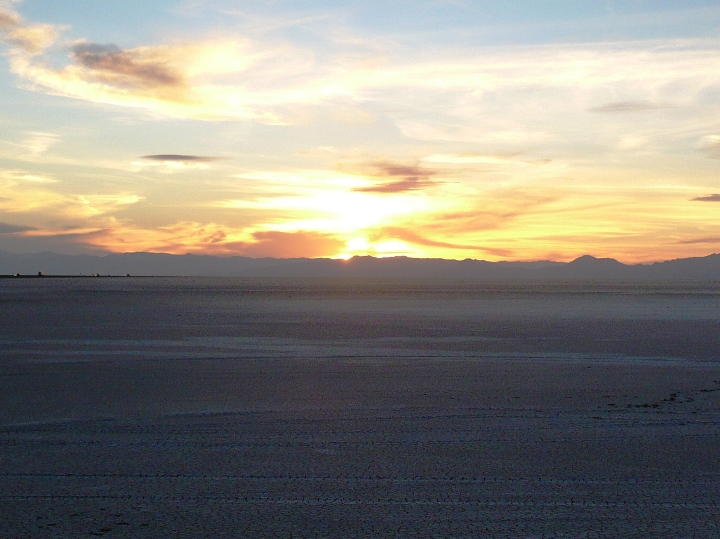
520 130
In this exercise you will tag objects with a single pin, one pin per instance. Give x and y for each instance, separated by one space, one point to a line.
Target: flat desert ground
206 408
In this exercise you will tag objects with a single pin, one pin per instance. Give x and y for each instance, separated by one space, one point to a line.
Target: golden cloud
413 237
24 192
214 239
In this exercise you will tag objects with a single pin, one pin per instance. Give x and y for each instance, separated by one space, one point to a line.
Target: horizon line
356 257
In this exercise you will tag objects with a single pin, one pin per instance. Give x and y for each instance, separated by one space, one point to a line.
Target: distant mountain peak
591 260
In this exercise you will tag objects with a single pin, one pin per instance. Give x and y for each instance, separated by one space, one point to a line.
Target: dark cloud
126 67
629 106
179 158
715 197
410 178
6 228
710 239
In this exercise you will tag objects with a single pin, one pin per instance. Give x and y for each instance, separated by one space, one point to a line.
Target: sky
519 130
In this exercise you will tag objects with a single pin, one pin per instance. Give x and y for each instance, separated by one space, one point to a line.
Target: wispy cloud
451 94
403 178
630 106
417 239
710 146
27 193
38 142
31 147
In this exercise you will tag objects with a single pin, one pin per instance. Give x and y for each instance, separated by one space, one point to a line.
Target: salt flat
258 408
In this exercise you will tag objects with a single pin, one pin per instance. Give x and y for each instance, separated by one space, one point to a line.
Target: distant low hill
147 264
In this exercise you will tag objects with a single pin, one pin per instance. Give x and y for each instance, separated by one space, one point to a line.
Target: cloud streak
630 106
694 241
410 178
26 193
180 158
416 239
715 197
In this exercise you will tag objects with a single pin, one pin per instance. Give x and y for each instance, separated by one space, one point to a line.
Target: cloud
693 241
31 39
715 197
8 19
176 158
414 238
30 193
138 68
710 146
169 80
298 244
36 179
10 179
215 239
492 95
38 142
411 178
630 106
6 228
169 163
407 184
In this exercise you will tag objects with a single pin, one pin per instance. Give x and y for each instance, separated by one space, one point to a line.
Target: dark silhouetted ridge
149 264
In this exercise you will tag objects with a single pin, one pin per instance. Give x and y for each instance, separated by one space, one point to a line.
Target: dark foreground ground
219 408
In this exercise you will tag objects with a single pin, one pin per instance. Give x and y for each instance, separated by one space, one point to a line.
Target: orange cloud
213 239
298 244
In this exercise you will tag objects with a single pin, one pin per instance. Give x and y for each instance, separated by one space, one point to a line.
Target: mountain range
151 264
